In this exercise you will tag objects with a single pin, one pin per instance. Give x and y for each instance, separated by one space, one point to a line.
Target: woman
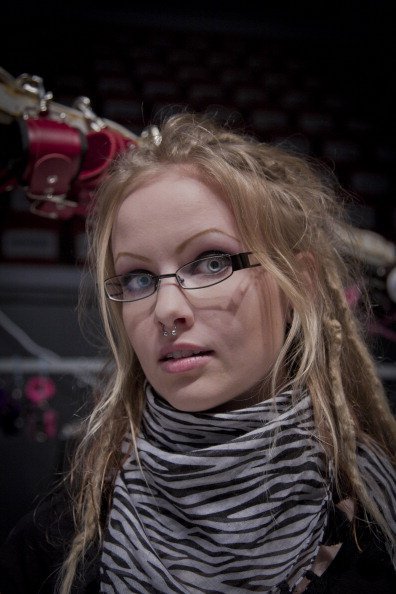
243 441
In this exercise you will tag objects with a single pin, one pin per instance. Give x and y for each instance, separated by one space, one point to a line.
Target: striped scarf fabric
229 502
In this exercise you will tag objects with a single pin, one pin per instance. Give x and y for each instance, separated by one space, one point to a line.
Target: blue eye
210 265
215 264
136 283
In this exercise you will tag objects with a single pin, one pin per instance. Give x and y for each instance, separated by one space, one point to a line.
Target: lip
182 346
184 364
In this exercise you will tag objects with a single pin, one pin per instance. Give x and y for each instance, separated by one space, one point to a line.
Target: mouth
185 354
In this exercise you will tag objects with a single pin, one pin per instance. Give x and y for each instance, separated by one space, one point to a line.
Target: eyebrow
182 245
132 255
179 248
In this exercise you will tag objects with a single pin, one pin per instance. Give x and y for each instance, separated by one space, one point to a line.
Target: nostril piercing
165 331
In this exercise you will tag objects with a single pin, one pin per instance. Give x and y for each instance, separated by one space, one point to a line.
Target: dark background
316 77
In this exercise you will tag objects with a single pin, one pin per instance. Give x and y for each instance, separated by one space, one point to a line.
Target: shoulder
361 566
31 557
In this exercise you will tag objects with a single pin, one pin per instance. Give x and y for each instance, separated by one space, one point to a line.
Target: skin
238 324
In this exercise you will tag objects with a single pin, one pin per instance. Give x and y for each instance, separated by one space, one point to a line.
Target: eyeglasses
198 274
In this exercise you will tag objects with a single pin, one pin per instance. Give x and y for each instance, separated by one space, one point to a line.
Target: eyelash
210 253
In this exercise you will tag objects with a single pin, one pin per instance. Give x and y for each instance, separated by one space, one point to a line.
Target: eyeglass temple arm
241 261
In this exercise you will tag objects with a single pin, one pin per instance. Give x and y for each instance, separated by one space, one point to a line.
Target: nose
172 305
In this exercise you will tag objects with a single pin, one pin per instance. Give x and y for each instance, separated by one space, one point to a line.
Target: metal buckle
94 122
35 85
58 200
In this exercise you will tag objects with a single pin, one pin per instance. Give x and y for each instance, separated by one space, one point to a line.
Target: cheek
266 317
141 344
136 328
128 323
251 326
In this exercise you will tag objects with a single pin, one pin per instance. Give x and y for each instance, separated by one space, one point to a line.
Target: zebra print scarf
231 502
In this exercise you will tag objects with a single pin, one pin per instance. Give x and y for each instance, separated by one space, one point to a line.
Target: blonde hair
288 216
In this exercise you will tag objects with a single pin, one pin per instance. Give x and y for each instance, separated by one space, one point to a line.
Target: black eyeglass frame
238 262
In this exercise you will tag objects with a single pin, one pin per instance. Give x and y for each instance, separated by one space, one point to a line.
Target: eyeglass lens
194 275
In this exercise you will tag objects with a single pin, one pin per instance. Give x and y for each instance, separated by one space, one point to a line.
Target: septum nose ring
165 331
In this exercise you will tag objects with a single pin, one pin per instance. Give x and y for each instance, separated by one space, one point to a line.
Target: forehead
177 202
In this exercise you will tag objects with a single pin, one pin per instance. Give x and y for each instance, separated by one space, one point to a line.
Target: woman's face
228 335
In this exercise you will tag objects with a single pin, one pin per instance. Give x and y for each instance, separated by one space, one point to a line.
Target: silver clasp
35 85
83 104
